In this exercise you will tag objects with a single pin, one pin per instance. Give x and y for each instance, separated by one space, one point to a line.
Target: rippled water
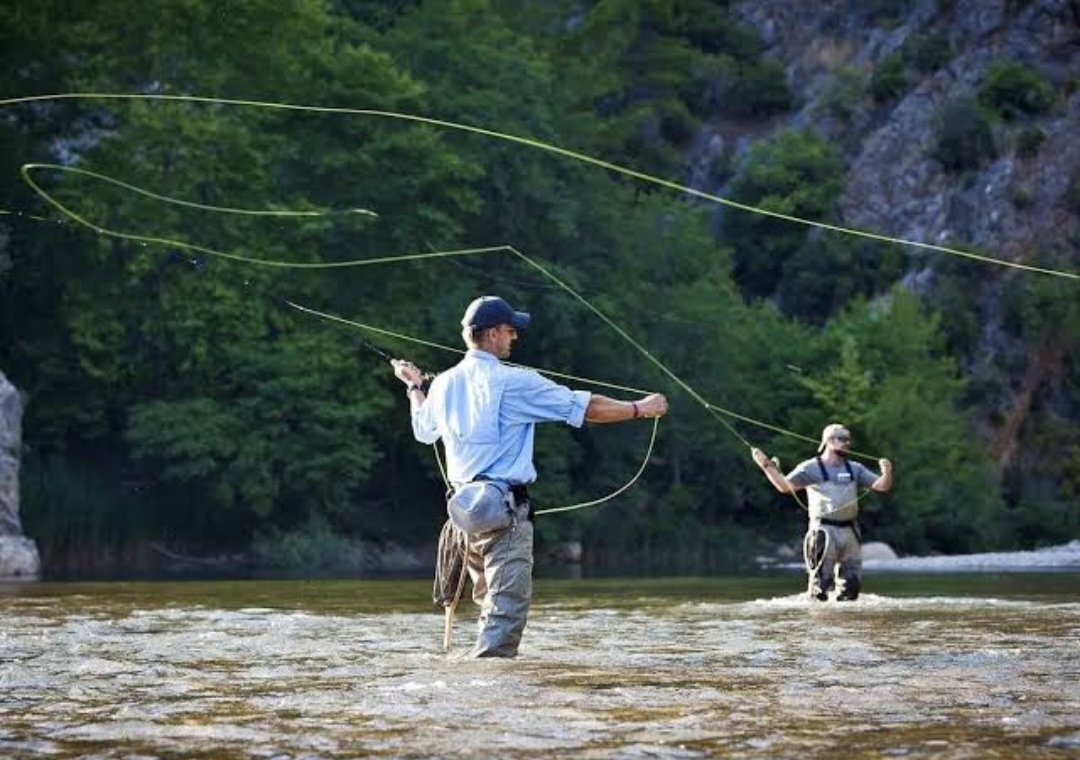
957 667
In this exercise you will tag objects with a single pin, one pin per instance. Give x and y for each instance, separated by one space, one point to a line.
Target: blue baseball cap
492 311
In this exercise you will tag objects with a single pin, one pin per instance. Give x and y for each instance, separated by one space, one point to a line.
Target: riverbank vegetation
175 397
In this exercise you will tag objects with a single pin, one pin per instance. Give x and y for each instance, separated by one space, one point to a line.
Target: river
980 665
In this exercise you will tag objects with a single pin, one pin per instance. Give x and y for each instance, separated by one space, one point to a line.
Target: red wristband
636 412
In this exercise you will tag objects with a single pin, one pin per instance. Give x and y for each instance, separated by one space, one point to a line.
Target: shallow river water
979 666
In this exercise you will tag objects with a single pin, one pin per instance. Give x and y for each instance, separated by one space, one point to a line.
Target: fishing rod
201 266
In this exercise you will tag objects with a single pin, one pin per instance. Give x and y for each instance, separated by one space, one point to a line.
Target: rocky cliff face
18 554
896 186
1020 204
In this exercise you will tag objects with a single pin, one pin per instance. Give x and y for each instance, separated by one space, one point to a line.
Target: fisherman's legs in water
820 556
500 565
849 556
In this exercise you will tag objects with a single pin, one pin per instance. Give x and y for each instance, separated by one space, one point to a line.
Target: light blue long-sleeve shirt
486 413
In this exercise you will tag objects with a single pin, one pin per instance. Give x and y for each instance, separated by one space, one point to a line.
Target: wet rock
875 550
18 554
18 558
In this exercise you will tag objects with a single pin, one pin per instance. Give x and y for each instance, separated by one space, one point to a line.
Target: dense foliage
173 396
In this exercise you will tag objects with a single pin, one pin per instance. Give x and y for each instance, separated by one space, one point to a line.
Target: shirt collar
476 353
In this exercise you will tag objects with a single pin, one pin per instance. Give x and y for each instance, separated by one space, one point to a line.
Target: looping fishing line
540 145
713 409
184 245
26 169
716 411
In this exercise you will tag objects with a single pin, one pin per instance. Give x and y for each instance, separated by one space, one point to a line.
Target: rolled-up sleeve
423 423
531 397
580 405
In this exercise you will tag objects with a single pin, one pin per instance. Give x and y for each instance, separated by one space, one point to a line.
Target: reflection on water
956 667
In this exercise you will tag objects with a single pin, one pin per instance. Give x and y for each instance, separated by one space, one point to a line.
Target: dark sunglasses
842 438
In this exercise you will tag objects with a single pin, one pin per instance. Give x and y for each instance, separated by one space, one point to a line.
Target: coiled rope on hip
450 574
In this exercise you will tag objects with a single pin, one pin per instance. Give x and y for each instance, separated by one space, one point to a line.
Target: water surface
977 666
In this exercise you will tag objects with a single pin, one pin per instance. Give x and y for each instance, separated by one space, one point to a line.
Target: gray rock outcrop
18 554
895 184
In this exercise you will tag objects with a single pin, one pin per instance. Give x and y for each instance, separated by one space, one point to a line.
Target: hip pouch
481 507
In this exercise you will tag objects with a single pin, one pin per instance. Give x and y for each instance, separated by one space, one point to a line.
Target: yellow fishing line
718 412
540 145
27 168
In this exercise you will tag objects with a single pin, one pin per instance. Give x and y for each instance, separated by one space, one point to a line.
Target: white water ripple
688 668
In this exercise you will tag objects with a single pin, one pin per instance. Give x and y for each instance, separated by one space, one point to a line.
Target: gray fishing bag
481 506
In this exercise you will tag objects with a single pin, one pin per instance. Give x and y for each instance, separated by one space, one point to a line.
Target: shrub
927 52
888 79
759 89
1021 197
965 139
677 125
1012 89
1028 141
797 174
312 546
844 92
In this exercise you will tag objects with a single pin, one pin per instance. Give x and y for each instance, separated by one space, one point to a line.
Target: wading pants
500 565
834 552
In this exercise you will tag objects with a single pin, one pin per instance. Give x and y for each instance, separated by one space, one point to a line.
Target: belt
838 523
521 493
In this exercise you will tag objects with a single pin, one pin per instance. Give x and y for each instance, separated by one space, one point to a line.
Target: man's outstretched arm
602 409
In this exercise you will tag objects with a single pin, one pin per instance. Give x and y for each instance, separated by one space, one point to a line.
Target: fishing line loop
716 411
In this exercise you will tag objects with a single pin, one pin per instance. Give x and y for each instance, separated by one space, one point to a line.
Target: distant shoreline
1064 557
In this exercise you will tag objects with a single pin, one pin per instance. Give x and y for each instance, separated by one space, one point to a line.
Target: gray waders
831 551
500 564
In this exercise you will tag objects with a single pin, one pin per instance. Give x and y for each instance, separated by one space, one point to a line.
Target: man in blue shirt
485 412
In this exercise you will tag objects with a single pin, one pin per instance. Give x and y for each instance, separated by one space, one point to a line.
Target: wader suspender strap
825 473
853 524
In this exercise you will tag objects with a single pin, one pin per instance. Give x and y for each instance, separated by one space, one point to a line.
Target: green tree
248 415
795 174
886 373
830 270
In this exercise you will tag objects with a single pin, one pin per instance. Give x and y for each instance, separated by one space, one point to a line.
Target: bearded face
841 443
